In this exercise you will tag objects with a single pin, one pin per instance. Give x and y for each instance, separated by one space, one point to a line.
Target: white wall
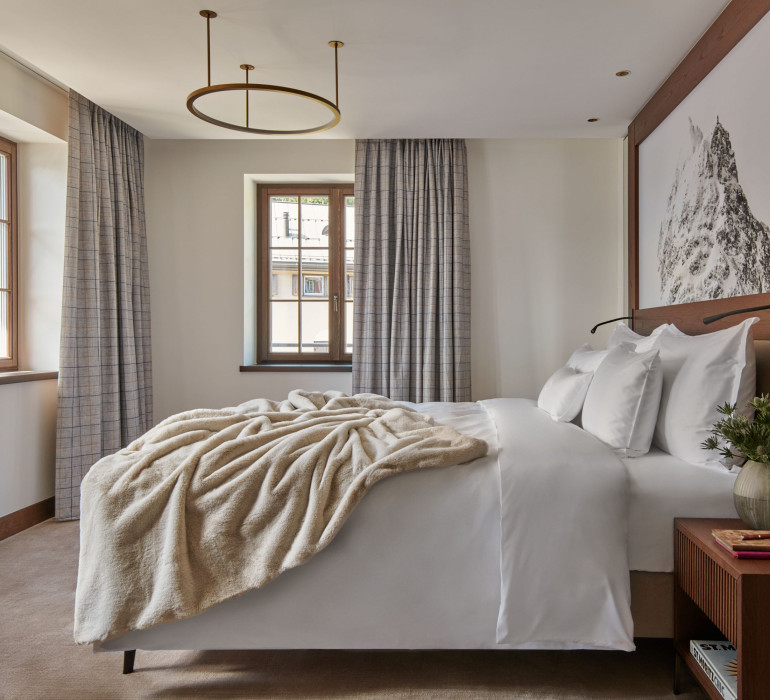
28 410
27 444
545 218
194 194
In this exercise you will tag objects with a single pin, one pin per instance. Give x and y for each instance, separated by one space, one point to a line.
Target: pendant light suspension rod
336 44
247 67
209 15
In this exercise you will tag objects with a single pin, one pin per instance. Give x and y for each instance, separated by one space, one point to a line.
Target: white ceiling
409 68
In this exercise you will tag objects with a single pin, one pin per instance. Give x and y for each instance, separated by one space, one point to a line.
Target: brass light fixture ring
228 87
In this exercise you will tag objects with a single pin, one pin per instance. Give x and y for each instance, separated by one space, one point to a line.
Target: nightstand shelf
719 597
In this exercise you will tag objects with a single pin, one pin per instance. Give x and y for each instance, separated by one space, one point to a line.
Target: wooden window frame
336 358
10 364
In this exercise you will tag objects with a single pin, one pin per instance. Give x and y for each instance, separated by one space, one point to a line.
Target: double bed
551 540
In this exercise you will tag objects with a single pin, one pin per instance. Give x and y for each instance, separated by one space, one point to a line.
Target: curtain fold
105 363
411 330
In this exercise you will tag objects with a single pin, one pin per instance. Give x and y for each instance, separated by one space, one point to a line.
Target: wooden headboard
689 319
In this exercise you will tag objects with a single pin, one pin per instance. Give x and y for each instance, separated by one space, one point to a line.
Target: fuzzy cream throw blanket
212 503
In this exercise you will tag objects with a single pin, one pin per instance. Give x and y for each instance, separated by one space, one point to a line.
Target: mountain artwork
710 244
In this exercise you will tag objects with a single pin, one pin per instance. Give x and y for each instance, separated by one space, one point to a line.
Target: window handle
335 297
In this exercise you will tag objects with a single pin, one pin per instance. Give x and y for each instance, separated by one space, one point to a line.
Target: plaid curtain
105 374
411 331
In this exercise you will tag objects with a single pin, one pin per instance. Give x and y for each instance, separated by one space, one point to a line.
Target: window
8 257
305 274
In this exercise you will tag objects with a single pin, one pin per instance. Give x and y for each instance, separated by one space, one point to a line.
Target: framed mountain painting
704 186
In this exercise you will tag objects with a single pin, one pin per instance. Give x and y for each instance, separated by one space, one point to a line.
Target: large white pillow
701 372
563 394
621 405
586 359
642 343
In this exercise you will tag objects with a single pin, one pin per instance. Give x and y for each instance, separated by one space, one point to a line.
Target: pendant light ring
229 87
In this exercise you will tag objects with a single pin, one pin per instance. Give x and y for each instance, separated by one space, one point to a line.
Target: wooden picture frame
732 25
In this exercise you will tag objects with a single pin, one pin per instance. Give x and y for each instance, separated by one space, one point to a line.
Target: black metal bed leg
128 661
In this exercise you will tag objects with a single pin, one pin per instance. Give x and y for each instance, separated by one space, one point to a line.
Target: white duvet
523 548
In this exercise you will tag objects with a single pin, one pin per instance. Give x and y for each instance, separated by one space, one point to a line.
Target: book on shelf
751 541
719 661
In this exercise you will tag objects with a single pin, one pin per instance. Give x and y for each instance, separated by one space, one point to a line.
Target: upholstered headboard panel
689 318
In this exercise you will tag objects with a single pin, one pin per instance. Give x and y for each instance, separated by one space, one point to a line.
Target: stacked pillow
662 389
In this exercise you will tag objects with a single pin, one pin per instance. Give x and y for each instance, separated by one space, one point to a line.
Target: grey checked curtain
105 374
411 331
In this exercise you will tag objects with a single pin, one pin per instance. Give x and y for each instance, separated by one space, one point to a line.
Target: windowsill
320 367
26 376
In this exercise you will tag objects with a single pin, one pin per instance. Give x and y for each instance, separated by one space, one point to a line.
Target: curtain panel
105 364
411 330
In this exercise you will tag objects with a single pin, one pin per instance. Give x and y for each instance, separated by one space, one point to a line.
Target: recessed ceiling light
593 119
622 73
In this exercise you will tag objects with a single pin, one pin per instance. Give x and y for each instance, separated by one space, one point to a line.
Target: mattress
663 487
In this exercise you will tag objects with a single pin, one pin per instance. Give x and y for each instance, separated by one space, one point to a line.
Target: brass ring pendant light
246 87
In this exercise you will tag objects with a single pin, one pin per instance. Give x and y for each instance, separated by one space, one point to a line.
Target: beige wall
545 219
28 410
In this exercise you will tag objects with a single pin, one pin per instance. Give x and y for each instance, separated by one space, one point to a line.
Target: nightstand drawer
711 588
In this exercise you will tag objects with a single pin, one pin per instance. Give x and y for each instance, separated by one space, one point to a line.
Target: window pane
284 272
315 326
284 326
315 221
350 222
4 262
284 230
348 274
349 327
315 273
4 303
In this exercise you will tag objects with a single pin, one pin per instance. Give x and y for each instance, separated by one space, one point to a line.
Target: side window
305 294
8 258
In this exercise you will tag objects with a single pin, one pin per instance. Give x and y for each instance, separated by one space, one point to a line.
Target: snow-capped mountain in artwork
710 244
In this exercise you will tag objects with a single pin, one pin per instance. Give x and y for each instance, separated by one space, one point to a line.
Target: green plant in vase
736 436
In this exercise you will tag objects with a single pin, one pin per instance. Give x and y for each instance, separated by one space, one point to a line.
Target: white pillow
642 343
563 394
701 372
586 359
621 405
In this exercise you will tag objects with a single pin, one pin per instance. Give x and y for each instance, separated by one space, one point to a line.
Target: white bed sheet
418 564
664 487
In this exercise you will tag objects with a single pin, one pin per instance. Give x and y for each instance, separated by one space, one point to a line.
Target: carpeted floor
38 658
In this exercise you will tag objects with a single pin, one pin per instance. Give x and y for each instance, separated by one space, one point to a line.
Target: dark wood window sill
321 367
26 376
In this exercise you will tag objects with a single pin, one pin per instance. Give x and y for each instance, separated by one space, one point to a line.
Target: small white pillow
701 372
563 394
586 359
642 343
621 405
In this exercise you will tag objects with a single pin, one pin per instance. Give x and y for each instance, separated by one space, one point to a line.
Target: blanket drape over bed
212 503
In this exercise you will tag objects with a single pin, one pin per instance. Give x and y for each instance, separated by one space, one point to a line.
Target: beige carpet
38 658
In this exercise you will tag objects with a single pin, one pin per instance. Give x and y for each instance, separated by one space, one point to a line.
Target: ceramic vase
751 495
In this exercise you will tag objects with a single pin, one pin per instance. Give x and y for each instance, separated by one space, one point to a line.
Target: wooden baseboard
26 517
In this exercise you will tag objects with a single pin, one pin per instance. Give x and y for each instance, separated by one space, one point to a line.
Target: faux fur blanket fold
212 503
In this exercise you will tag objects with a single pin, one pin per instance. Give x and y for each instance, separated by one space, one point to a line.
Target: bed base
652 607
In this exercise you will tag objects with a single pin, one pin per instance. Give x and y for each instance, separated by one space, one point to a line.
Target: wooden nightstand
716 597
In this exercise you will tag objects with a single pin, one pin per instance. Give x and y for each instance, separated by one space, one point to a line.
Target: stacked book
719 661
744 544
